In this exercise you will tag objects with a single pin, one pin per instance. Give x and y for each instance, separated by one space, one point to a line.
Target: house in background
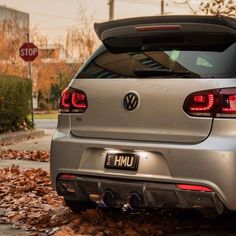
14 29
53 53
22 18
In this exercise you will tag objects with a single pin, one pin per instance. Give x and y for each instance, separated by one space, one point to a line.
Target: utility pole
162 7
111 4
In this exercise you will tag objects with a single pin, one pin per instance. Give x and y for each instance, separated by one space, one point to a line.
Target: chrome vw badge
130 101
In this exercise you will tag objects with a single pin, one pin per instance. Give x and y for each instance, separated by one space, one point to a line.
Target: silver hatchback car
149 121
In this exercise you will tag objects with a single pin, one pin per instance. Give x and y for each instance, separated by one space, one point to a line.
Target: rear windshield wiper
162 72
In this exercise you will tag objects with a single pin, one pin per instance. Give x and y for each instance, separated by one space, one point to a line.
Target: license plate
122 161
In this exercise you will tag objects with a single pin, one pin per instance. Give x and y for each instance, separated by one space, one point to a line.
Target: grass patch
49 116
46 116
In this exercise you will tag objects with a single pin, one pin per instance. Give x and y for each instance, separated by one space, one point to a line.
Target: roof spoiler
135 33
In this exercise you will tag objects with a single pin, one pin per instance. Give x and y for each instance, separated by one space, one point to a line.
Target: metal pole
111 4
30 77
162 7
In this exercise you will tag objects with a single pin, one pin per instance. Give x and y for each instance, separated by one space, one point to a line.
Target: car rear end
149 120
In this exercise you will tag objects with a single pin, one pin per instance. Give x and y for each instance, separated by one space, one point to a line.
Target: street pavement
45 124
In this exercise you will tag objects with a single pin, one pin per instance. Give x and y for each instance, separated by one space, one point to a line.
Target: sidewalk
34 144
20 135
24 164
41 143
8 230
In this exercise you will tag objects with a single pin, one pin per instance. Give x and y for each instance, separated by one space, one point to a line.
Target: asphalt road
45 123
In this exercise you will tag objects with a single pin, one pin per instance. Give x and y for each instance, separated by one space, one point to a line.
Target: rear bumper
152 194
211 163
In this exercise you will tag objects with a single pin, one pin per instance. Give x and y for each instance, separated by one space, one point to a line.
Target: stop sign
28 51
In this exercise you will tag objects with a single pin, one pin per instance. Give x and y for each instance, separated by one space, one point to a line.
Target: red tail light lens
212 103
201 103
73 100
78 101
65 101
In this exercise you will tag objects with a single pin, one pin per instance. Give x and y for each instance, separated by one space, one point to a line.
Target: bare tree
218 7
81 39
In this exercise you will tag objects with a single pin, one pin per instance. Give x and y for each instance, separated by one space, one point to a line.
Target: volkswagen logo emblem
130 101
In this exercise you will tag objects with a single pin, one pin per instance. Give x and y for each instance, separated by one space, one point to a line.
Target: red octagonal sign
28 51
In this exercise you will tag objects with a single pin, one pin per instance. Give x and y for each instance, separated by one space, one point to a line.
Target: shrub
15 94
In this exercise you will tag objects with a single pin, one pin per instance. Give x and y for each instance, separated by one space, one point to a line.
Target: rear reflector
194 188
157 27
67 176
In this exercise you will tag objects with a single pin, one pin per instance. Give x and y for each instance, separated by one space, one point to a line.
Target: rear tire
79 206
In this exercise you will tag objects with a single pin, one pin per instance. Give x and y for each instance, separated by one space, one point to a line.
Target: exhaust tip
108 199
134 201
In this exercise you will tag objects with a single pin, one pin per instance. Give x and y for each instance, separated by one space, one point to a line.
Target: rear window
198 63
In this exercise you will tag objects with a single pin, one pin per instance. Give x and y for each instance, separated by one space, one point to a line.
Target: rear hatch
138 94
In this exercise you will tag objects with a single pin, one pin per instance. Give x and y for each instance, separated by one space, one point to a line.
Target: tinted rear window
200 63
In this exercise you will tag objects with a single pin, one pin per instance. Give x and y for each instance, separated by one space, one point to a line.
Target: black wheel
79 206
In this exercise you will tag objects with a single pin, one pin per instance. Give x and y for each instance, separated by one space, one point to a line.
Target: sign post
28 52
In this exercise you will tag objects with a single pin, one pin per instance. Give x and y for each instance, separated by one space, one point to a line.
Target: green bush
15 94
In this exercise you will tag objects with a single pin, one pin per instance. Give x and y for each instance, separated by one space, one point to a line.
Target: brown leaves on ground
94 222
28 201
24 155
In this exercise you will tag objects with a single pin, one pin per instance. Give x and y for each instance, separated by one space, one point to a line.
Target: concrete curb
24 164
20 136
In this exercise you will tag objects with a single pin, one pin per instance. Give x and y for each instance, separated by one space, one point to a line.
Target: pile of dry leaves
24 155
28 201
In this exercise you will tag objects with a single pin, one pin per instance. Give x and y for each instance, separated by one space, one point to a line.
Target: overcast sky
53 17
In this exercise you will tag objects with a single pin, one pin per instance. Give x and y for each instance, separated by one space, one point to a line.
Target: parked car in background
149 121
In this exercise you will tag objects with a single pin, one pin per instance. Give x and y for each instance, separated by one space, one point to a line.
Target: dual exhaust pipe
109 199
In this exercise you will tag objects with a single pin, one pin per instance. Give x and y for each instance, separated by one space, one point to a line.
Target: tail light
227 103
194 188
212 103
158 27
73 100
